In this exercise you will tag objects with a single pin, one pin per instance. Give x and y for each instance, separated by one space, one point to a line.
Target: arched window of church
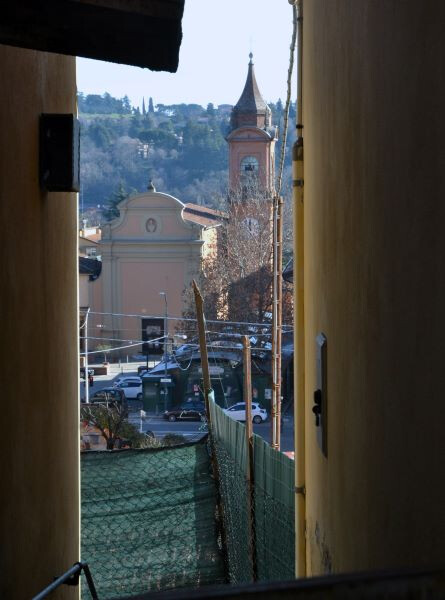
249 165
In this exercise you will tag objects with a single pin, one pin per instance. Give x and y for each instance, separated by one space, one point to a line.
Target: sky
217 38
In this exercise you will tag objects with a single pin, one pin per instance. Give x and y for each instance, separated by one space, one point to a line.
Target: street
189 429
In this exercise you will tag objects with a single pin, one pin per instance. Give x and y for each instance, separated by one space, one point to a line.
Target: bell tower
251 138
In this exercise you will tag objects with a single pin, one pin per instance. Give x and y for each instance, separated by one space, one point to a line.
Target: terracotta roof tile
209 217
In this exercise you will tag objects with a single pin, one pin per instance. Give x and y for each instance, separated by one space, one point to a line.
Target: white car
123 378
238 412
131 388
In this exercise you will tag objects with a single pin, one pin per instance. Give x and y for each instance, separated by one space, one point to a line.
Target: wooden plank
249 458
203 348
140 33
164 9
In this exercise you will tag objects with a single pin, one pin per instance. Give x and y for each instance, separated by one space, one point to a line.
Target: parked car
116 394
110 397
132 388
123 378
107 394
192 410
90 375
238 412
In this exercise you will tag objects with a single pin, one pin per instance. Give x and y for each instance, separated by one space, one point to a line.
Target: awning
144 33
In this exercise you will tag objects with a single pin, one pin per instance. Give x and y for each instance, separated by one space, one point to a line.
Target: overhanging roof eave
147 33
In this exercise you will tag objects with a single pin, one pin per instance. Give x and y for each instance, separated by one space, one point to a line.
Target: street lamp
165 348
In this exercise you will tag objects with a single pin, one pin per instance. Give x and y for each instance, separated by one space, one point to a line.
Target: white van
238 412
132 388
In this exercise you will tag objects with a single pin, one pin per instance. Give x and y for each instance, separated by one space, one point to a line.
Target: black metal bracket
72 580
70 577
59 153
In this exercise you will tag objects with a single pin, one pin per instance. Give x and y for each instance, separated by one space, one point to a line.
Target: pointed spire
250 109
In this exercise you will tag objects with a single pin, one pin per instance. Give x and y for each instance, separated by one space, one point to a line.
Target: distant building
89 263
91 233
252 138
157 244
89 271
91 438
224 109
225 370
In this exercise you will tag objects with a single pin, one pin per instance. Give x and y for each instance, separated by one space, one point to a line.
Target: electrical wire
171 318
120 340
288 98
107 350
177 362
110 349
240 335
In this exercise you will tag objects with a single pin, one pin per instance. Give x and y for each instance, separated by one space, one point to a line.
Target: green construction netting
148 520
273 521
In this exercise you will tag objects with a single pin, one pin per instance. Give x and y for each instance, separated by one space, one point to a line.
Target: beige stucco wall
375 281
39 442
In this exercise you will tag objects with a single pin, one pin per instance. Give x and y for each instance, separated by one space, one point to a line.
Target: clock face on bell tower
251 138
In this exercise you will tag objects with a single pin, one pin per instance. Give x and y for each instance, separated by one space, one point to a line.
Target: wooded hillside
181 147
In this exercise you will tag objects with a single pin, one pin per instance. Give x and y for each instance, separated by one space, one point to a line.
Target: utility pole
165 348
85 345
250 473
277 319
279 290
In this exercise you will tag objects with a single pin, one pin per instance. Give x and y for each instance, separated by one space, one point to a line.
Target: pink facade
150 248
251 141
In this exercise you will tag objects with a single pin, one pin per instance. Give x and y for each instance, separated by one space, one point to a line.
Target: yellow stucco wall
375 281
39 441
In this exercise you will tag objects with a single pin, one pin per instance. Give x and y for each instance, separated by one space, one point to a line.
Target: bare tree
236 274
237 282
109 418
236 278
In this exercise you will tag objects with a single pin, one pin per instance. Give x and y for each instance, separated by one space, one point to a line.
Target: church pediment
150 217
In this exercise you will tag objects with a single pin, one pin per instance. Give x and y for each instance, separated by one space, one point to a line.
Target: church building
150 254
252 138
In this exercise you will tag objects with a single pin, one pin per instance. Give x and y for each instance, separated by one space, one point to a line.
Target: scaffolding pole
277 317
